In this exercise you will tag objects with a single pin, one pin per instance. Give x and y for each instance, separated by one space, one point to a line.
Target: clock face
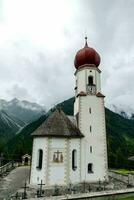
91 89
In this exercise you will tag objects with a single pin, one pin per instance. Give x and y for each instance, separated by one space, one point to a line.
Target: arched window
40 158
90 80
74 159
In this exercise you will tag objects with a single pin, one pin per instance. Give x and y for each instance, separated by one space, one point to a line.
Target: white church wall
75 175
38 174
57 167
81 81
76 106
92 126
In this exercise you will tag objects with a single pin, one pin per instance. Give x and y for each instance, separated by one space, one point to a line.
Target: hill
120 134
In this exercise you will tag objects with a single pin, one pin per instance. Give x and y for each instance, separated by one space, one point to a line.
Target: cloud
39 40
18 92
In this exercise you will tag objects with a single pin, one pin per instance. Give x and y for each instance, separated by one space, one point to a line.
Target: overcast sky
39 40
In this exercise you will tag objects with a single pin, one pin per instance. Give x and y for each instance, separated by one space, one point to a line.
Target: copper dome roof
87 55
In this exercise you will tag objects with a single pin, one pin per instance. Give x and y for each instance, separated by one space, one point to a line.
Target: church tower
72 149
90 115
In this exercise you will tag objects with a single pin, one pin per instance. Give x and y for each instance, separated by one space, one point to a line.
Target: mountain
8 127
120 137
22 142
23 110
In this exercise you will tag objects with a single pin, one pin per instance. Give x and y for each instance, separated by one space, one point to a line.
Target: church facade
73 149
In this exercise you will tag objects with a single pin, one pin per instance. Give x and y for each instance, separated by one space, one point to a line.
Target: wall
75 175
36 174
96 138
54 171
125 178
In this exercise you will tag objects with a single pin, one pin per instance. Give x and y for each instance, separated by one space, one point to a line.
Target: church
73 149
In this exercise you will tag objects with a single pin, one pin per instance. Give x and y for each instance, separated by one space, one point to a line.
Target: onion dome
87 55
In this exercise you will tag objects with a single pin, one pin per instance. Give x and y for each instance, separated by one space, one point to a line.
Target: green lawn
124 171
128 198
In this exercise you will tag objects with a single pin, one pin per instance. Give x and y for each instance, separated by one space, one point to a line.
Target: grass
127 198
124 171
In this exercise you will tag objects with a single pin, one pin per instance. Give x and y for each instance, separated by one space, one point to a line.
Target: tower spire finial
86 45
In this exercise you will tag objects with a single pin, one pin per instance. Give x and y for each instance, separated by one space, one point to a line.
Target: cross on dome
86 45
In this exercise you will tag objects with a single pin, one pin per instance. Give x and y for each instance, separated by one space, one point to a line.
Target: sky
39 40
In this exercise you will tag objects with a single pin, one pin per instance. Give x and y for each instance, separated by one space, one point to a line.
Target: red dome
86 55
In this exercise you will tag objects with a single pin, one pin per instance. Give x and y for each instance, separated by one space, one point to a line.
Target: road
13 181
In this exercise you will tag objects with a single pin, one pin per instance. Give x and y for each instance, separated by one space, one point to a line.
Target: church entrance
26 159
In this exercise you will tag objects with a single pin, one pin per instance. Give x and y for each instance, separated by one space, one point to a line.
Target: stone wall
125 178
7 167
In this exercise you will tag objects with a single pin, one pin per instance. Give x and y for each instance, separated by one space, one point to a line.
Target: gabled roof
58 125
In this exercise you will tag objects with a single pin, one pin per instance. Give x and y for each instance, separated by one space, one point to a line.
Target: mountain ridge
23 110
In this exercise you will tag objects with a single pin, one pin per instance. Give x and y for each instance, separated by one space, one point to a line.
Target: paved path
13 181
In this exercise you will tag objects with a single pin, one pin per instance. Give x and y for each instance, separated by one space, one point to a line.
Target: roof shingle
58 125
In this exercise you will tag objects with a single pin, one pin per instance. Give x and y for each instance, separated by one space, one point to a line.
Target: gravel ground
13 181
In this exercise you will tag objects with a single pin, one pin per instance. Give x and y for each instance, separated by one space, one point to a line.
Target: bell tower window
90 80
91 87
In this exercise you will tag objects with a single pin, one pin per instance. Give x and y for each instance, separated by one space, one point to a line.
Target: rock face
23 110
8 125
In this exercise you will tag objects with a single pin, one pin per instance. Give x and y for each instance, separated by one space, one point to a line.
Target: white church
73 149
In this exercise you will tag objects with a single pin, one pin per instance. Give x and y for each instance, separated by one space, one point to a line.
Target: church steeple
90 114
86 55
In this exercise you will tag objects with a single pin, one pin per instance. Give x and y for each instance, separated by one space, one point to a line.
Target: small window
40 158
90 129
90 149
90 110
74 159
90 168
90 80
